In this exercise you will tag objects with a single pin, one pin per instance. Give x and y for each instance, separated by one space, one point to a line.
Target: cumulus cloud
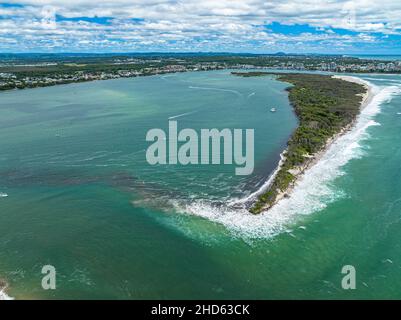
196 25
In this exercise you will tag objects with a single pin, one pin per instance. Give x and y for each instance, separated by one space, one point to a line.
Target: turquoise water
82 198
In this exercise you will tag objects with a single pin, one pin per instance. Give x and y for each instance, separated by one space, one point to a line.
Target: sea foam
4 296
312 192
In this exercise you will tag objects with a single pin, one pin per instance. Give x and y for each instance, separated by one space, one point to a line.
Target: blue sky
258 26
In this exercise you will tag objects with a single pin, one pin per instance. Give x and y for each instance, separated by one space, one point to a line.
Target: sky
252 26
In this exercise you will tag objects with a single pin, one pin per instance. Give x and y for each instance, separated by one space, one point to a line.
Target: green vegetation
324 106
19 71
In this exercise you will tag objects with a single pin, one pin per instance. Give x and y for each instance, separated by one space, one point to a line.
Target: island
326 107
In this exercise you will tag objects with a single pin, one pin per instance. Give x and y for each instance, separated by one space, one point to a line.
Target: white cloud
194 24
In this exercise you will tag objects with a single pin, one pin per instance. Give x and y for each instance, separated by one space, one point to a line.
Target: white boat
3 195
273 110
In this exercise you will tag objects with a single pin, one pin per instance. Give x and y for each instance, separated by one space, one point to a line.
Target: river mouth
84 200
85 177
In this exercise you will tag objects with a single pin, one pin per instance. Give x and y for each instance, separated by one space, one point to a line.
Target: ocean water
81 196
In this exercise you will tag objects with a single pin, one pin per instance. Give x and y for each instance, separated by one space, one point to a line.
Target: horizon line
203 52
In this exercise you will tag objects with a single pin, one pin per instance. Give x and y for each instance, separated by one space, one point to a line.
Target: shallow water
81 196
73 164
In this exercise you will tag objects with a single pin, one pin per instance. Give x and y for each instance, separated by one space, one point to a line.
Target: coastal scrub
325 106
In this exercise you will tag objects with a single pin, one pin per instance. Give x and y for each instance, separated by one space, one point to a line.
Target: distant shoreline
135 74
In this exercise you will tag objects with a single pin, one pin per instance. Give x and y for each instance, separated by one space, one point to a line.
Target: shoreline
175 72
299 172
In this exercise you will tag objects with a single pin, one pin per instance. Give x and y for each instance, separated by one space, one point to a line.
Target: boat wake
217 89
182 115
312 192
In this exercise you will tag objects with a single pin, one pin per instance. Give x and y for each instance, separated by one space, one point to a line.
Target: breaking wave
4 296
313 191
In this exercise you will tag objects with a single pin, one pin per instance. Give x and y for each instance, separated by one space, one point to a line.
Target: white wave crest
4 296
312 192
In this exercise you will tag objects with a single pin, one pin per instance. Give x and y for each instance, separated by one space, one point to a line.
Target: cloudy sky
260 26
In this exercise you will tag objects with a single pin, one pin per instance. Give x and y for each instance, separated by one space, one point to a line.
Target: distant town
30 71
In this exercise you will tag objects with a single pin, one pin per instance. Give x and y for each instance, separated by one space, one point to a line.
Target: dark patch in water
20 177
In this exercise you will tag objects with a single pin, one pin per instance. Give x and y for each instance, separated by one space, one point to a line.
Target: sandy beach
298 172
